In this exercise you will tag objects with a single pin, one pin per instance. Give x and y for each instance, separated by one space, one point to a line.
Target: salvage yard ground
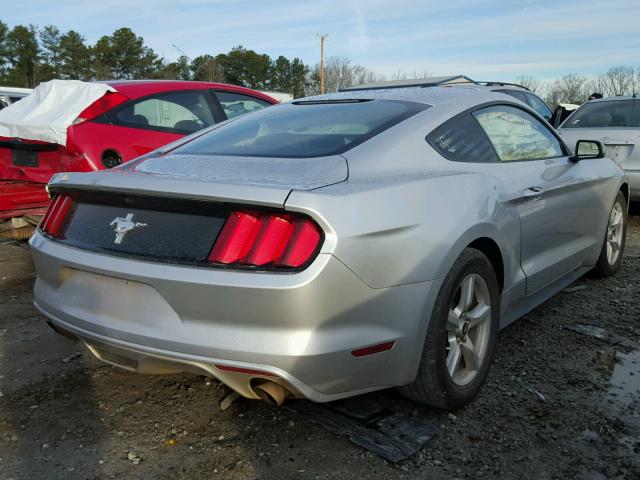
557 405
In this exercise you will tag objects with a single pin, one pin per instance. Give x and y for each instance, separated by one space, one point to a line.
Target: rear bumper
18 199
301 327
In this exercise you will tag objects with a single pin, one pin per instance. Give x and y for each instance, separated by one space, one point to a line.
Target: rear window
303 129
612 114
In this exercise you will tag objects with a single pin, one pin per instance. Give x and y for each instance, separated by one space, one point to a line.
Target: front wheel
461 336
614 240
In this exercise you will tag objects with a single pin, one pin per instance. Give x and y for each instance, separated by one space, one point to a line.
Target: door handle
533 193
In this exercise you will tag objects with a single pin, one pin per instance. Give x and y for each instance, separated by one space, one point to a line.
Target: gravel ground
65 415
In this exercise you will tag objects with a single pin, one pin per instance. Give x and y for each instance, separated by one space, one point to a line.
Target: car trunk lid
619 144
253 180
172 208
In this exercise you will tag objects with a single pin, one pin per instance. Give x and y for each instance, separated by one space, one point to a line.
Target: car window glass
611 114
15 99
178 112
539 106
235 104
517 135
303 129
515 94
462 140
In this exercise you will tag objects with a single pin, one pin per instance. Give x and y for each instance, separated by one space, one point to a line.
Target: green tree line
30 55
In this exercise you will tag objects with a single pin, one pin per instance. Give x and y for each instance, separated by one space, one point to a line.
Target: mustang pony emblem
124 226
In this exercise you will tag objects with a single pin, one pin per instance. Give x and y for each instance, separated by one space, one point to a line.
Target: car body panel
88 142
285 320
395 215
621 143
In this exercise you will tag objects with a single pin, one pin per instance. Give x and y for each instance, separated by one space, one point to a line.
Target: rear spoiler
19 144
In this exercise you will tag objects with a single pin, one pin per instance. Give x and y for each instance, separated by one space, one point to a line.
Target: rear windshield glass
302 129
613 114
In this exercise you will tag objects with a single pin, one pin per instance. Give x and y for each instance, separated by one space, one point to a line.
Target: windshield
303 129
611 114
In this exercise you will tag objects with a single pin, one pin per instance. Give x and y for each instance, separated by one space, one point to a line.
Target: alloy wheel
468 329
615 230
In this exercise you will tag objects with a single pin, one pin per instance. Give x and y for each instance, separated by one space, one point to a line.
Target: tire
434 385
614 240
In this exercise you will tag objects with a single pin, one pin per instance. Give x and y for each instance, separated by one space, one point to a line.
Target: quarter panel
411 228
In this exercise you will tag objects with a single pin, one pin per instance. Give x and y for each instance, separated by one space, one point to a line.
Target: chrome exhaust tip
271 392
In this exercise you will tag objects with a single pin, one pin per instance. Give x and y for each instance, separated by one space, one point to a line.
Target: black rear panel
154 228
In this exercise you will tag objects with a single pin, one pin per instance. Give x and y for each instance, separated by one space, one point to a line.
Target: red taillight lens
236 239
100 106
57 213
266 239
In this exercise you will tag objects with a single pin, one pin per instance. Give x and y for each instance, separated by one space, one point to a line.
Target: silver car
615 121
331 246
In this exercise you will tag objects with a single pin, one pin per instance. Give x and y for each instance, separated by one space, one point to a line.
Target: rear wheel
614 240
461 337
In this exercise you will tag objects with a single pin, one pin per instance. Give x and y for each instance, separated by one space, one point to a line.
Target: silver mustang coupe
331 246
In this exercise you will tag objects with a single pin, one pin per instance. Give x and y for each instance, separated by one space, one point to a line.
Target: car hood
256 180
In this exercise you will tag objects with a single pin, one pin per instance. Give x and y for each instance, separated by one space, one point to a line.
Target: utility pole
322 38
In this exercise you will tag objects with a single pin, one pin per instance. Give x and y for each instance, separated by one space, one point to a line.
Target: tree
245 67
206 68
123 55
4 51
22 52
529 82
288 76
178 70
619 80
75 57
571 88
50 56
402 75
339 73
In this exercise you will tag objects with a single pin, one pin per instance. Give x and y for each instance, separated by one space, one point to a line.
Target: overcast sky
485 39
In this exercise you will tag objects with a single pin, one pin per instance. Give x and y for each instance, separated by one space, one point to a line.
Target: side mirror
587 149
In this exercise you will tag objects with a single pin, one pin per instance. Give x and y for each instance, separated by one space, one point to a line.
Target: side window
518 135
539 106
462 140
235 104
175 112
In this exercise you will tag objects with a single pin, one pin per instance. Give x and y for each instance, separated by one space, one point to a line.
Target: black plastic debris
574 288
600 334
393 436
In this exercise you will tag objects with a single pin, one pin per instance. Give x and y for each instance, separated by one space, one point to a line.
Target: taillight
56 215
266 239
100 106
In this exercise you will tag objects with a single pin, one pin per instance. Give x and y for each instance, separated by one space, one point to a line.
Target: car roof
518 88
427 95
139 88
613 99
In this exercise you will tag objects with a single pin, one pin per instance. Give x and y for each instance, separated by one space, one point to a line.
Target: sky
484 39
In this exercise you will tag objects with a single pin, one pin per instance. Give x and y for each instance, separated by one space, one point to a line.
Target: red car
138 117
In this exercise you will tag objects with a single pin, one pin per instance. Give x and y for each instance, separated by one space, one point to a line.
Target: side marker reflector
381 347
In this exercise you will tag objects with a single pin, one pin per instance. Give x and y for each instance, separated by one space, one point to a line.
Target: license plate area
25 158
162 230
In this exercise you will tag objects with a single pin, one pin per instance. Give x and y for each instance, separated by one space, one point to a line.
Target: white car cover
46 113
